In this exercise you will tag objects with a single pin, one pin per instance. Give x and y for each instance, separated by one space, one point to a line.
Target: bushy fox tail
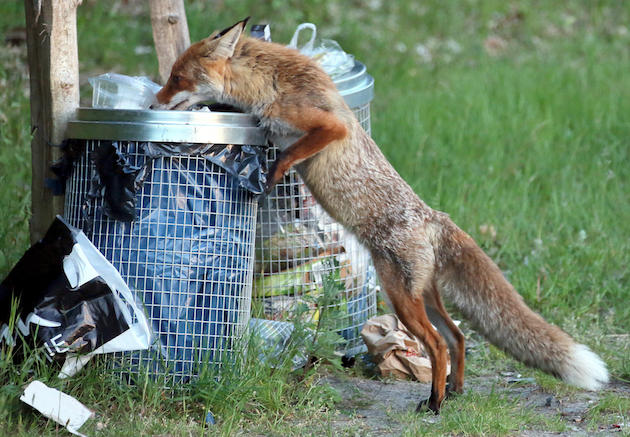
476 286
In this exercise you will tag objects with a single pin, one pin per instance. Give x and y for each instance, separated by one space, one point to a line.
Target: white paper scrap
56 405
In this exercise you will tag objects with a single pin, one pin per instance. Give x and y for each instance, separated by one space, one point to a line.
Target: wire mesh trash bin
299 247
187 249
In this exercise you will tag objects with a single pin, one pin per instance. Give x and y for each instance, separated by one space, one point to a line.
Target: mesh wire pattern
300 249
188 257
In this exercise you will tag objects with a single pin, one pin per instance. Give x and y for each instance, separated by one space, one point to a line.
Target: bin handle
309 45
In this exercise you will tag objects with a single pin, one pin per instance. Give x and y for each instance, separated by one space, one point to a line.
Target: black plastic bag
69 299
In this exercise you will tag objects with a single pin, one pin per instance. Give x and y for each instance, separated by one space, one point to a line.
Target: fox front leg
321 127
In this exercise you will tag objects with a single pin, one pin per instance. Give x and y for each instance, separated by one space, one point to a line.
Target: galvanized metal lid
356 86
166 126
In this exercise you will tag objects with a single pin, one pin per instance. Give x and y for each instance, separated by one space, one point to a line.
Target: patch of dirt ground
371 407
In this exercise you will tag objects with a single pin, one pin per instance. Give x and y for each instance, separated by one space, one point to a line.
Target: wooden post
170 33
54 79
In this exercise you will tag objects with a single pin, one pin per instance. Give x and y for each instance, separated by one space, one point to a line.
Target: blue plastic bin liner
116 180
189 251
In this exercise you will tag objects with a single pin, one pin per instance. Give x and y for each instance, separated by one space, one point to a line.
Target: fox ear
227 39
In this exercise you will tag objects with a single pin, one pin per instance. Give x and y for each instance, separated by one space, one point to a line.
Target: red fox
420 255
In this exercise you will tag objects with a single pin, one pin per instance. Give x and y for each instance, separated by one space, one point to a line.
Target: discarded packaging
56 405
326 52
117 91
300 251
286 307
289 282
210 420
261 31
275 336
396 351
286 246
75 305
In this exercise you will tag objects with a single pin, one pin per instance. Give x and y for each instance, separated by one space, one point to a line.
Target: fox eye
176 79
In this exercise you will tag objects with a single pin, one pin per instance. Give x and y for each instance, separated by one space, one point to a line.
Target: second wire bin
300 249
189 252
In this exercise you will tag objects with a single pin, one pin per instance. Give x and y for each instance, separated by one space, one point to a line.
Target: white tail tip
584 369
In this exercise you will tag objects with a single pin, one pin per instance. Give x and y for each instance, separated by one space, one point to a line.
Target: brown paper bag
396 351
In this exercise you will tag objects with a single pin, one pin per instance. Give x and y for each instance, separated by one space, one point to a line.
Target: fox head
199 73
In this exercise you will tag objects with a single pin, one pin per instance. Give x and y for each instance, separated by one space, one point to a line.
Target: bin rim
356 86
166 126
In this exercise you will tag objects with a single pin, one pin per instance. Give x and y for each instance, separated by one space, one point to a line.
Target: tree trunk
54 80
170 33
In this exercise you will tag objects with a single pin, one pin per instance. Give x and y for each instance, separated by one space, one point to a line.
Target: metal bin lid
356 86
166 126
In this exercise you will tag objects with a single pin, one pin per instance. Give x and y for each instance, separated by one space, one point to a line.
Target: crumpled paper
395 350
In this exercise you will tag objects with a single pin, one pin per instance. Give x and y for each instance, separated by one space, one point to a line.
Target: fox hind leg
453 336
410 309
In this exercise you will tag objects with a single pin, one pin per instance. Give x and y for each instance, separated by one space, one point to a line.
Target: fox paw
269 187
274 175
451 393
428 404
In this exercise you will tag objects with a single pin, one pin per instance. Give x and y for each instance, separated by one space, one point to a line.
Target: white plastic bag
88 262
326 52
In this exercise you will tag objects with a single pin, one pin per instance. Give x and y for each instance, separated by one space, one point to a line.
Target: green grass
245 395
15 158
531 139
610 409
474 414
